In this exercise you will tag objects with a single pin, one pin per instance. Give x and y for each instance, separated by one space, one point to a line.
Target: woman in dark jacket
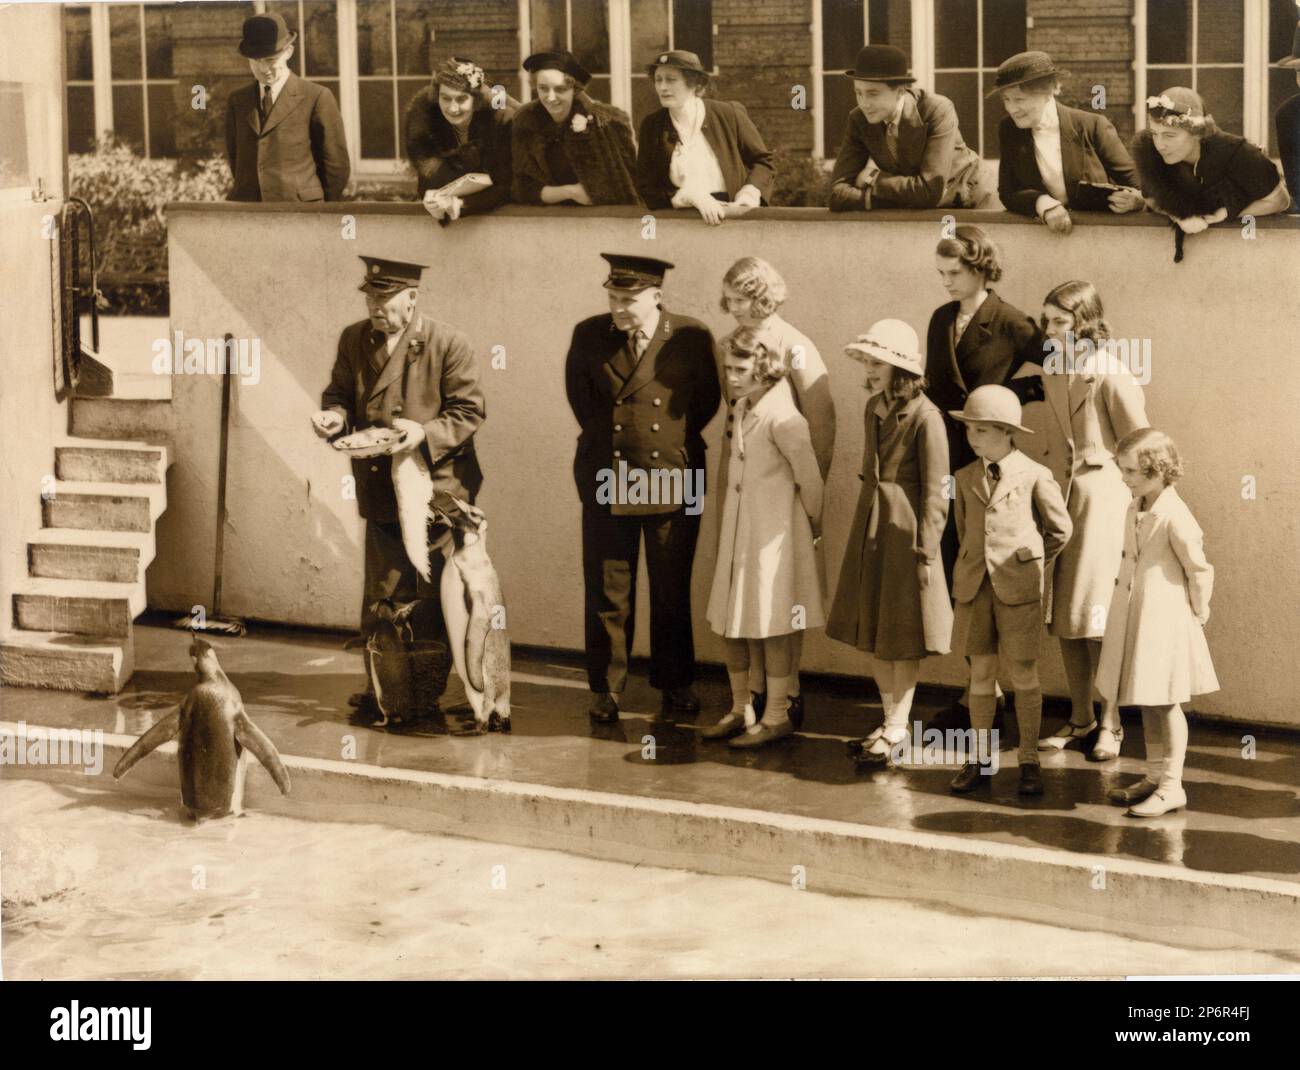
1047 149
569 148
695 152
453 130
1196 174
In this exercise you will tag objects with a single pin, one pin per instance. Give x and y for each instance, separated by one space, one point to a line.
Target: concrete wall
1224 384
31 52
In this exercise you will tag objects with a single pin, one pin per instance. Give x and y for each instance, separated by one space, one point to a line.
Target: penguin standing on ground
214 730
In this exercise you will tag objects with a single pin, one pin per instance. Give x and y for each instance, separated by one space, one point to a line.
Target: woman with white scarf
695 152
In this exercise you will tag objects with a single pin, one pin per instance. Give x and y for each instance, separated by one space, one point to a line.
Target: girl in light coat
1154 653
767 585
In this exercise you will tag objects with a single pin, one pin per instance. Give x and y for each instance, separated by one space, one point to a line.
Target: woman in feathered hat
454 128
568 147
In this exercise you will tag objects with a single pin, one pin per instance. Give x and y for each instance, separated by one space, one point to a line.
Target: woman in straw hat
695 152
1195 173
892 601
453 130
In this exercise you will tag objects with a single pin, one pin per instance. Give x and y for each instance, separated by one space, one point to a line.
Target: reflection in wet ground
1243 817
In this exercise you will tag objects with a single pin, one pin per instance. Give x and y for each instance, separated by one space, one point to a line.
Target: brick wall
487 33
762 49
1093 40
205 42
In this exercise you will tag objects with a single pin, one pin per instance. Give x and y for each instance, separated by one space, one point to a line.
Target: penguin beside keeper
401 369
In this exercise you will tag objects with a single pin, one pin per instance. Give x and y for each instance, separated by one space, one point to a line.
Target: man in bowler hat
902 147
284 134
402 369
643 384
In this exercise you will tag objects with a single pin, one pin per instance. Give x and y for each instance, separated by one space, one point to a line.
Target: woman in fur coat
569 148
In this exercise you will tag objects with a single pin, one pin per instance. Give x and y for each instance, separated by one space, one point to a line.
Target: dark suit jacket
438 158
430 378
603 154
300 155
1090 149
934 167
997 341
1288 146
653 416
742 156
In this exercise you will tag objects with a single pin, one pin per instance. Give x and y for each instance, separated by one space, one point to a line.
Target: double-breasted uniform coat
1154 652
767 580
431 378
1077 425
648 414
299 154
879 605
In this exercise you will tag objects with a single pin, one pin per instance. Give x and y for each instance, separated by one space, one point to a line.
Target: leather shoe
1107 745
730 725
1031 779
680 700
603 708
1067 734
1134 793
1164 799
765 734
795 712
969 777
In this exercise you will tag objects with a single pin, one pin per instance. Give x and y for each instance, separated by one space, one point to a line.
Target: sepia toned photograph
591 490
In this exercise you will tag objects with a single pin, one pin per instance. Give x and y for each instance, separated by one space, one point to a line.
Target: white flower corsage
580 123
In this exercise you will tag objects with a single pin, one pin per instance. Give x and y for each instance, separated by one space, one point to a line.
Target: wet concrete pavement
1243 816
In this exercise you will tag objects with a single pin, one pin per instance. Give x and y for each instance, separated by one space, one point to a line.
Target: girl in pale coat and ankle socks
1154 653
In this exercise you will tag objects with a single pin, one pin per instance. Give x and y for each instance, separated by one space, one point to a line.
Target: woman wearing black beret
569 148
452 130
695 152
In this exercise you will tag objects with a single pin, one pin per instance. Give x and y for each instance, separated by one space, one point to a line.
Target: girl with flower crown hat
892 601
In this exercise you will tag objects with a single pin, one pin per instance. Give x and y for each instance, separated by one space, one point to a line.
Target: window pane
162 117
1281 88
406 89
374 38
838 101
288 10
842 33
1221 89
81 118
124 47
1169 31
1160 80
644 100
414 34
598 88
889 22
14 168
693 28
378 139
158 40
994 113
76 37
963 91
591 34
1004 30
1220 31
649 30
321 40
955 33
1282 16
548 28
128 115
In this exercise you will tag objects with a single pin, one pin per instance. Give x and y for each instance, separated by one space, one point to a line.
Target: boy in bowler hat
284 134
643 384
902 147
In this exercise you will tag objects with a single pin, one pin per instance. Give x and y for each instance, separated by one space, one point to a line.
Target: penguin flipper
166 729
252 737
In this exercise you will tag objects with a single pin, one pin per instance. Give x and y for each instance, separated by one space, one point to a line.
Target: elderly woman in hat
1288 126
892 601
696 152
1055 158
1197 174
902 148
569 148
453 130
